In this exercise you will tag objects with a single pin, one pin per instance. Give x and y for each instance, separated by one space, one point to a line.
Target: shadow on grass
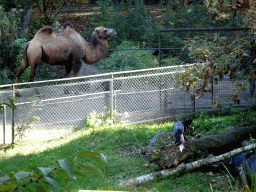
117 144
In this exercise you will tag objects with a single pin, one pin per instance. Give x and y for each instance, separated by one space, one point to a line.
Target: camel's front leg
76 68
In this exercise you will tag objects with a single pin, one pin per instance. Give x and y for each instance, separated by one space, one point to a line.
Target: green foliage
25 119
9 23
130 19
216 55
211 123
43 179
96 120
9 4
10 104
49 12
42 20
195 15
169 61
18 46
124 60
101 18
124 157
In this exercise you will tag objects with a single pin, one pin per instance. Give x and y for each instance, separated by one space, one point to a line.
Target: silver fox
179 129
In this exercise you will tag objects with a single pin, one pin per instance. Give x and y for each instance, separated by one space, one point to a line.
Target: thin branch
182 168
37 179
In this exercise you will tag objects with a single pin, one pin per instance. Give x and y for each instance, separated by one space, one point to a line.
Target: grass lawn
121 146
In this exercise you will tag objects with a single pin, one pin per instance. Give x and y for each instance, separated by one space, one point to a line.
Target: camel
68 48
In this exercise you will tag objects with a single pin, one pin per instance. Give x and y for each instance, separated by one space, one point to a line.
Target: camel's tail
25 56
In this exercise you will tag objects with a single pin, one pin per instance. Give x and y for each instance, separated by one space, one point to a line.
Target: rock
87 70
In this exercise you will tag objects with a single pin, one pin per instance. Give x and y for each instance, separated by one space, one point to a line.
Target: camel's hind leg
33 67
24 64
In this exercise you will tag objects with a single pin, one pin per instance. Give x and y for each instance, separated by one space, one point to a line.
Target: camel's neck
95 52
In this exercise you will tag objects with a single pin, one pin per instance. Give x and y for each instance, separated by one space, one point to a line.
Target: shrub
95 120
169 61
9 25
18 46
123 60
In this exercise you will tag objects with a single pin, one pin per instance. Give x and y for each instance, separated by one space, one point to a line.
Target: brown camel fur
68 48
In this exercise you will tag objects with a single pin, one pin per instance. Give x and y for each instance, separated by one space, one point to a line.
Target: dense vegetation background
136 21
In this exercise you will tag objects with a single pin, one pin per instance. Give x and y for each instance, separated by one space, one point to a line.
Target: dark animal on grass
68 48
179 129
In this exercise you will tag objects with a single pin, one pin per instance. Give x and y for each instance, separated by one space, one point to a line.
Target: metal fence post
111 95
13 95
4 123
165 93
212 92
159 46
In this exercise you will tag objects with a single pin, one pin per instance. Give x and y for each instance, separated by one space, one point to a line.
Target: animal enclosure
138 96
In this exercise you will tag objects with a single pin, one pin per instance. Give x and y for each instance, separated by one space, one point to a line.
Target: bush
170 61
9 26
96 120
18 46
124 60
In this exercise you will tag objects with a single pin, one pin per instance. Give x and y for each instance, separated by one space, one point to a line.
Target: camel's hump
67 24
46 30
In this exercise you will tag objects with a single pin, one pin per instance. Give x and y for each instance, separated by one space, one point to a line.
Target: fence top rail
7 85
111 75
204 29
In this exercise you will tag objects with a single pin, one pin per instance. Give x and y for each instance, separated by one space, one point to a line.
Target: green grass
117 143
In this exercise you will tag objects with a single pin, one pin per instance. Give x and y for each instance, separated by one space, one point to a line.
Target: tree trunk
170 156
183 168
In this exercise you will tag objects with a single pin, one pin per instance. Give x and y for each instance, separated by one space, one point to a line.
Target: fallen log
183 168
170 156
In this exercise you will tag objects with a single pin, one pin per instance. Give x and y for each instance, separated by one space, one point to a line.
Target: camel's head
104 33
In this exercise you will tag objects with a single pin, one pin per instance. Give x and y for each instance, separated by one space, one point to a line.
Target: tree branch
170 156
182 168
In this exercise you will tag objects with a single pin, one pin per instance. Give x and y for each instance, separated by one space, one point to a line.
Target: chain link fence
140 96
